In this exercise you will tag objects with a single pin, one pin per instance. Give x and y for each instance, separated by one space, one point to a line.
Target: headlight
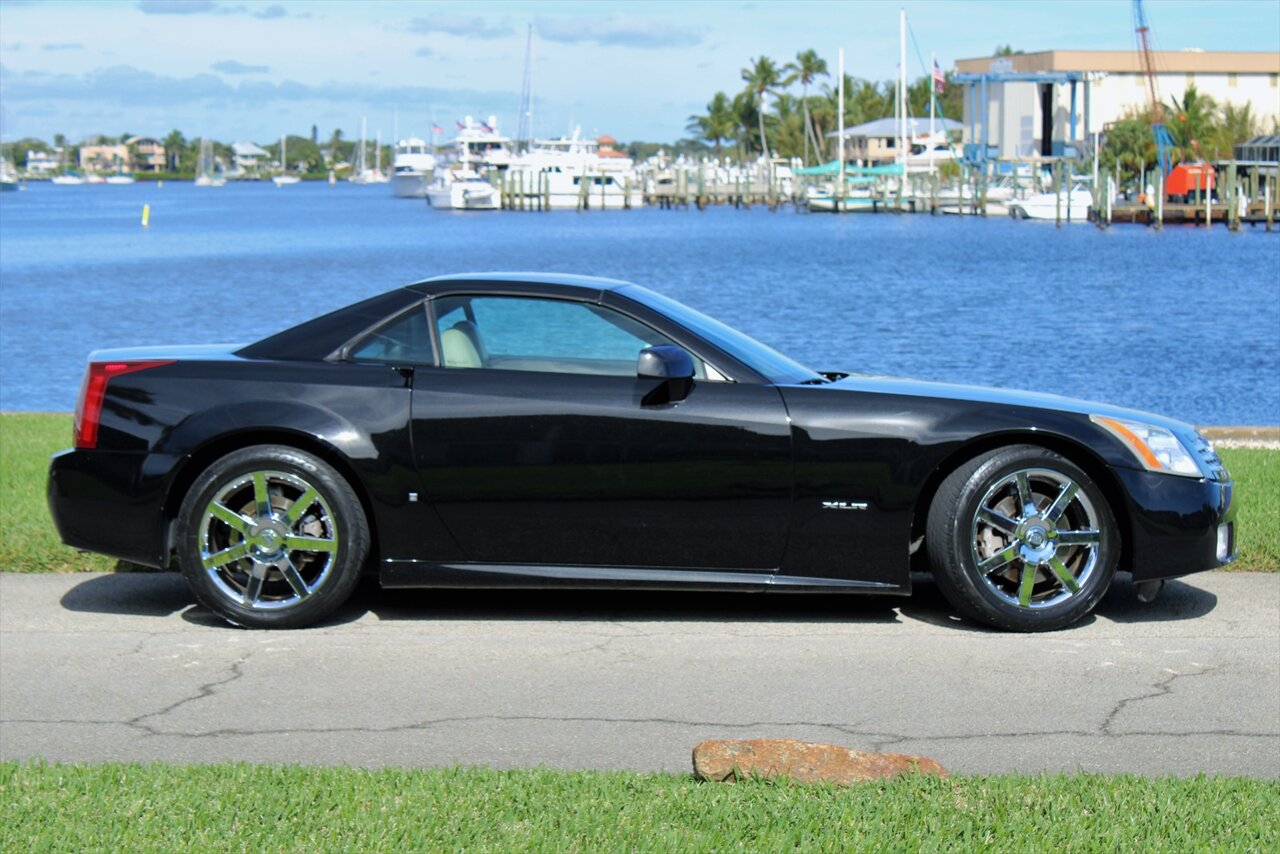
1155 447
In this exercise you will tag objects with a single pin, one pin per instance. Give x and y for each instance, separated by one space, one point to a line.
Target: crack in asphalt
878 735
1162 688
146 723
202 691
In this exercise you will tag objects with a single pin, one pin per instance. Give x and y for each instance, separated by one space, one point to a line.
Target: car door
537 444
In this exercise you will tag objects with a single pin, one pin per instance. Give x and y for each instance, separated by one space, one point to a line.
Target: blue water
1184 322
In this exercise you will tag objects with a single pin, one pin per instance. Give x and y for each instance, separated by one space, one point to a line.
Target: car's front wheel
1020 538
272 537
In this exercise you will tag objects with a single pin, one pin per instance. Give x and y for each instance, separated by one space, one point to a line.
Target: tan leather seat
458 351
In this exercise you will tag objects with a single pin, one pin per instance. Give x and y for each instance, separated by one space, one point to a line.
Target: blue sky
243 69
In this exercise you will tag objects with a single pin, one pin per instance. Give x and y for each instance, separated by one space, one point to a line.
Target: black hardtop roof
498 280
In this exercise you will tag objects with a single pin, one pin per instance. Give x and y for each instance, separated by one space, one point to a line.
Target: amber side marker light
94 389
1139 446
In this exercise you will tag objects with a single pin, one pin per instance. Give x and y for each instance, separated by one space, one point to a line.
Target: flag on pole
484 126
437 129
460 125
939 79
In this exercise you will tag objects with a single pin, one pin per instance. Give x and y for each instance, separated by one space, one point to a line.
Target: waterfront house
1047 103
246 158
104 158
875 143
42 164
148 154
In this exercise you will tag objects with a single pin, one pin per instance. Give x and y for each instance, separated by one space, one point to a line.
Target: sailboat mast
525 130
902 85
840 126
933 98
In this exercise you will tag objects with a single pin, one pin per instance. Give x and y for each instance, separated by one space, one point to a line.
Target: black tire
1018 564
271 537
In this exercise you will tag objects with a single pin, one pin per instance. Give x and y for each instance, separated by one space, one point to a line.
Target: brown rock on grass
727 760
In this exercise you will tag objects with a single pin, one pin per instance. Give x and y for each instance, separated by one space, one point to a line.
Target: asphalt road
126 667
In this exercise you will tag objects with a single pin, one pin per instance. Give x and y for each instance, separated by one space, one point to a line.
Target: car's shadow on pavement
165 594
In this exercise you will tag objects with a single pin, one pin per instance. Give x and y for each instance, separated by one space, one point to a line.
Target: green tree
1130 145
1236 124
1190 120
717 125
763 77
335 146
301 151
174 144
788 126
807 68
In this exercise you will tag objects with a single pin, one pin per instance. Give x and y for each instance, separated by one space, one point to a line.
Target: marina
1120 312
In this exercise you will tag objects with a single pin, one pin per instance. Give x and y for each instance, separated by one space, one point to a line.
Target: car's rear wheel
1020 538
272 537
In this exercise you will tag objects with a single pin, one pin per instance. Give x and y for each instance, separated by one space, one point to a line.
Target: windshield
766 361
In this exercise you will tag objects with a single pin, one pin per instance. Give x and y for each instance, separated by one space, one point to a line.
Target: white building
1039 103
42 164
246 157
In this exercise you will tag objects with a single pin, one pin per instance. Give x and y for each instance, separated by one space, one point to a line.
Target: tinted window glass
404 340
768 362
529 334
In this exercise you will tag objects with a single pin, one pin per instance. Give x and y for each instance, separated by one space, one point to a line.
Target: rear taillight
94 389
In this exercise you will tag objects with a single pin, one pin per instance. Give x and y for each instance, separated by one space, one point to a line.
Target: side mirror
664 362
670 364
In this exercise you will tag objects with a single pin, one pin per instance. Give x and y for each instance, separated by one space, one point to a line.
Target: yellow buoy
146 216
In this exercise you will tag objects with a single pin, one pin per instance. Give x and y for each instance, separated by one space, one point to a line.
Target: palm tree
788 128
1236 124
1192 119
807 68
174 143
717 125
762 77
743 109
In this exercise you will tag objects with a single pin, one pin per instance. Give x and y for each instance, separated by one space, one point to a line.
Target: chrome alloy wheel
1035 538
268 540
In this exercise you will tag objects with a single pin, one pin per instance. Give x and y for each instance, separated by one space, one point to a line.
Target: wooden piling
1269 201
1057 193
1159 224
1233 201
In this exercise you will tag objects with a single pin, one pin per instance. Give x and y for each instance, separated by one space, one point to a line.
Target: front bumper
112 502
1174 523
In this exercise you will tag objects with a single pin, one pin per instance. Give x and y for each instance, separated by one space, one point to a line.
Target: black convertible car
512 430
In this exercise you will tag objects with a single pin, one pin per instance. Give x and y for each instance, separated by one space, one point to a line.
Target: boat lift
978 154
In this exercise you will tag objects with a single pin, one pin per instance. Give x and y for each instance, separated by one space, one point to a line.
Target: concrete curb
1243 437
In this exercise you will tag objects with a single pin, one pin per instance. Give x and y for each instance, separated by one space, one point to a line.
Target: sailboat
207 174
8 175
362 174
284 177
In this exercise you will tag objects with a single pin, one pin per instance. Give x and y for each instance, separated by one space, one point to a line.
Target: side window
548 335
406 339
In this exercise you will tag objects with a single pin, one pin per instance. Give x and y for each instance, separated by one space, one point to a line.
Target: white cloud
619 31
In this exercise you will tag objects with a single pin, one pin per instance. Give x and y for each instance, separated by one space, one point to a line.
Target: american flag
437 129
484 126
460 125
939 79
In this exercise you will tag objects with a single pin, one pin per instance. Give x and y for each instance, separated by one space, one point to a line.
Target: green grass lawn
28 542
271 808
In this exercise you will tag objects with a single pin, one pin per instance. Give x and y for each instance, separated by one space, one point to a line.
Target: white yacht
1074 206
467 161
411 169
462 189
571 173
